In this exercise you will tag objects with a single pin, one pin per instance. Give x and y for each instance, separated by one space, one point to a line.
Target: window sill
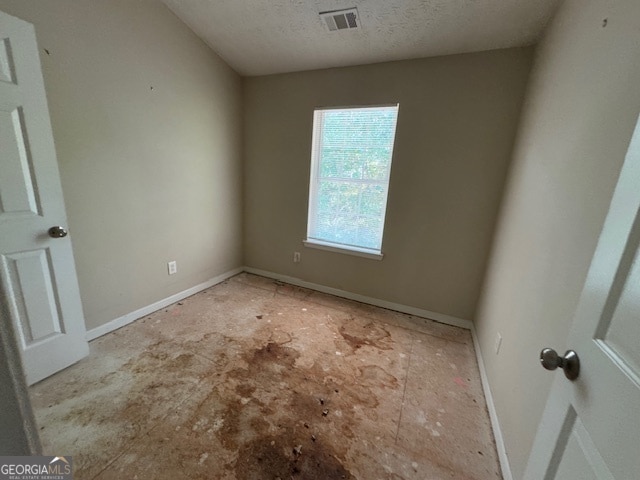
333 247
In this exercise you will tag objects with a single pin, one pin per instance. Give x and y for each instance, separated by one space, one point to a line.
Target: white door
591 426
37 272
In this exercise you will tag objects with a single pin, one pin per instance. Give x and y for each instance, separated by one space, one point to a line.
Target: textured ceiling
259 37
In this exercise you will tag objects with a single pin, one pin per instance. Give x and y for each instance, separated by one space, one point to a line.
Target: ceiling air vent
341 19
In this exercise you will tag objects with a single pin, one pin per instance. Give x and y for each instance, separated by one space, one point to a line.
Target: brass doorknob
57 232
570 363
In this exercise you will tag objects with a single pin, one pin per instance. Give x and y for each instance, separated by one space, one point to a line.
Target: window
350 165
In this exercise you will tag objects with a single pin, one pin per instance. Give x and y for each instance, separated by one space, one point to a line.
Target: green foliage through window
350 166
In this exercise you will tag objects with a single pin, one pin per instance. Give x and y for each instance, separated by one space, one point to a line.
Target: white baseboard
493 415
141 312
419 312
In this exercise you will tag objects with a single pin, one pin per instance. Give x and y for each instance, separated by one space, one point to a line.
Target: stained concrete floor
255 379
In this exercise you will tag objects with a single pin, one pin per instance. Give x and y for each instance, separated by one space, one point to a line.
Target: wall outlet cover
172 267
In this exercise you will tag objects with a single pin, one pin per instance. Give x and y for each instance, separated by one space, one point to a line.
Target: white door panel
35 303
590 426
37 272
579 458
17 194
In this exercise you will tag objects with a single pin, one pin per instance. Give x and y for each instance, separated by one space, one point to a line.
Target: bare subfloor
254 379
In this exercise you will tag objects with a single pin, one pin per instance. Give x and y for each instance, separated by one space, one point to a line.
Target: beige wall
458 116
149 174
582 104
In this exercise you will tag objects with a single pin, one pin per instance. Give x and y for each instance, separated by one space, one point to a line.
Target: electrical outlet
498 343
173 267
296 257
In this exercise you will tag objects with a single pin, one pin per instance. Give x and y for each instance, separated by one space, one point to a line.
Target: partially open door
37 270
591 424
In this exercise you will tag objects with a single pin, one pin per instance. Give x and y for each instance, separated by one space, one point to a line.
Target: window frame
314 182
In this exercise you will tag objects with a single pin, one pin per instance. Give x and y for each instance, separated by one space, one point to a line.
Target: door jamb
20 433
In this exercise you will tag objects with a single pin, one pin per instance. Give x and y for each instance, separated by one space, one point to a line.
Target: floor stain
376 376
287 456
371 335
254 381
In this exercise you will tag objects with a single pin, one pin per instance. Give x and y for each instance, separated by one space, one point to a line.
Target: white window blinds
350 165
